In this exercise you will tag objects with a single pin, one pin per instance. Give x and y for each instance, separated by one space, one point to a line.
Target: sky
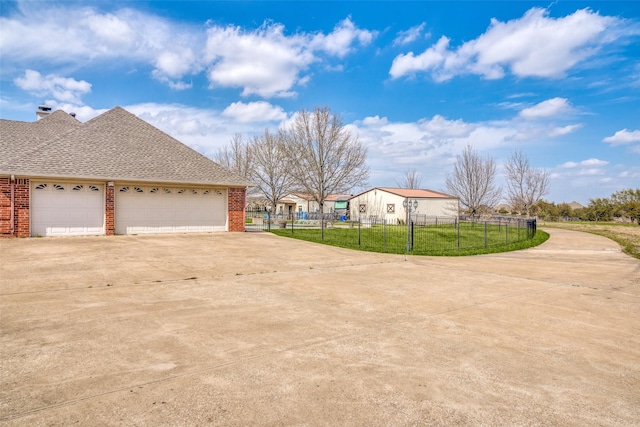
416 82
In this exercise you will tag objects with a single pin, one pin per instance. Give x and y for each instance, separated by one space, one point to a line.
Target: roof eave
22 174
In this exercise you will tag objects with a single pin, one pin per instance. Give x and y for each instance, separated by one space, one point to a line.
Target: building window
391 208
77 188
93 188
363 208
41 186
124 189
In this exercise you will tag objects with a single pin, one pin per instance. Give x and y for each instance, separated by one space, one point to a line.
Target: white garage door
67 209
140 210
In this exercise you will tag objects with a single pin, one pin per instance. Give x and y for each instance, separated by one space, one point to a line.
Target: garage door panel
67 209
169 210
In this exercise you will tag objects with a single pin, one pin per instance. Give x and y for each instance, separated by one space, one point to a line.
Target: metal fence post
412 235
458 235
384 234
485 234
269 221
506 233
359 242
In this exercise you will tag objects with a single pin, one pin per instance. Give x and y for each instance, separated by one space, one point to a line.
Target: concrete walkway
254 329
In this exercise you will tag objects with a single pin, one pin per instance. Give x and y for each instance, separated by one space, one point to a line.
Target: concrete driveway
254 329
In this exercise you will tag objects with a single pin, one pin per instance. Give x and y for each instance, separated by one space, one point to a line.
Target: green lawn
447 239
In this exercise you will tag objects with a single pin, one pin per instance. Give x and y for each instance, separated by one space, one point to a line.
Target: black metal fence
423 235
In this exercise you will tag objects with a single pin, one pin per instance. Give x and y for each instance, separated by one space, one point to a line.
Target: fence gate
263 220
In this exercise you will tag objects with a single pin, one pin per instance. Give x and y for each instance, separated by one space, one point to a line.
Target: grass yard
626 235
446 239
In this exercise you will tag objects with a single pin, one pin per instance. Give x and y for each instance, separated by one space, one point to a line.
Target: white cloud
427 144
268 63
72 36
254 112
61 88
565 130
340 41
175 64
409 36
264 61
550 108
623 136
442 127
113 30
82 112
532 46
591 172
431 58
594 162
590 163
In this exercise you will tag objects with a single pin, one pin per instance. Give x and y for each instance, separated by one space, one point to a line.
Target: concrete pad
254 329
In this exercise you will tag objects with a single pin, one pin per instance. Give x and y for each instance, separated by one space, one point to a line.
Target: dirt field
253 329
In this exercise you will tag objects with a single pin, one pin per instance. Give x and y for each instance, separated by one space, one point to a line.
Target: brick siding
109 210
20 226
237 200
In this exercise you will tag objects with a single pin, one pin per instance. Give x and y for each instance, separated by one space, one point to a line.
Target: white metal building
387 203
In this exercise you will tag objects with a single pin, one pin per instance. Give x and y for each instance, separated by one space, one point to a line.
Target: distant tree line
621 205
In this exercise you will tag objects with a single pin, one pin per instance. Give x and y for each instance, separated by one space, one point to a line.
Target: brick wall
237 200
20 226
109 210
5 207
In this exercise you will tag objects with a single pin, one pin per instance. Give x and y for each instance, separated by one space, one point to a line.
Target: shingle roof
114 146
17 139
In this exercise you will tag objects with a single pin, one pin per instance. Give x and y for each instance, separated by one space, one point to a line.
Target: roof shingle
115 145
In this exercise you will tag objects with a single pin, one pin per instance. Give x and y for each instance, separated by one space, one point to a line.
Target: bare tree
411 179
473 181
269 170
525 184
236 157
323 156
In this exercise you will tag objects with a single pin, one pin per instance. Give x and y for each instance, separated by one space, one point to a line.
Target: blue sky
416 81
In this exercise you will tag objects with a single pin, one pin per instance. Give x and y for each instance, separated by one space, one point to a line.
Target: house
383 203
301 204
114 174
576 205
